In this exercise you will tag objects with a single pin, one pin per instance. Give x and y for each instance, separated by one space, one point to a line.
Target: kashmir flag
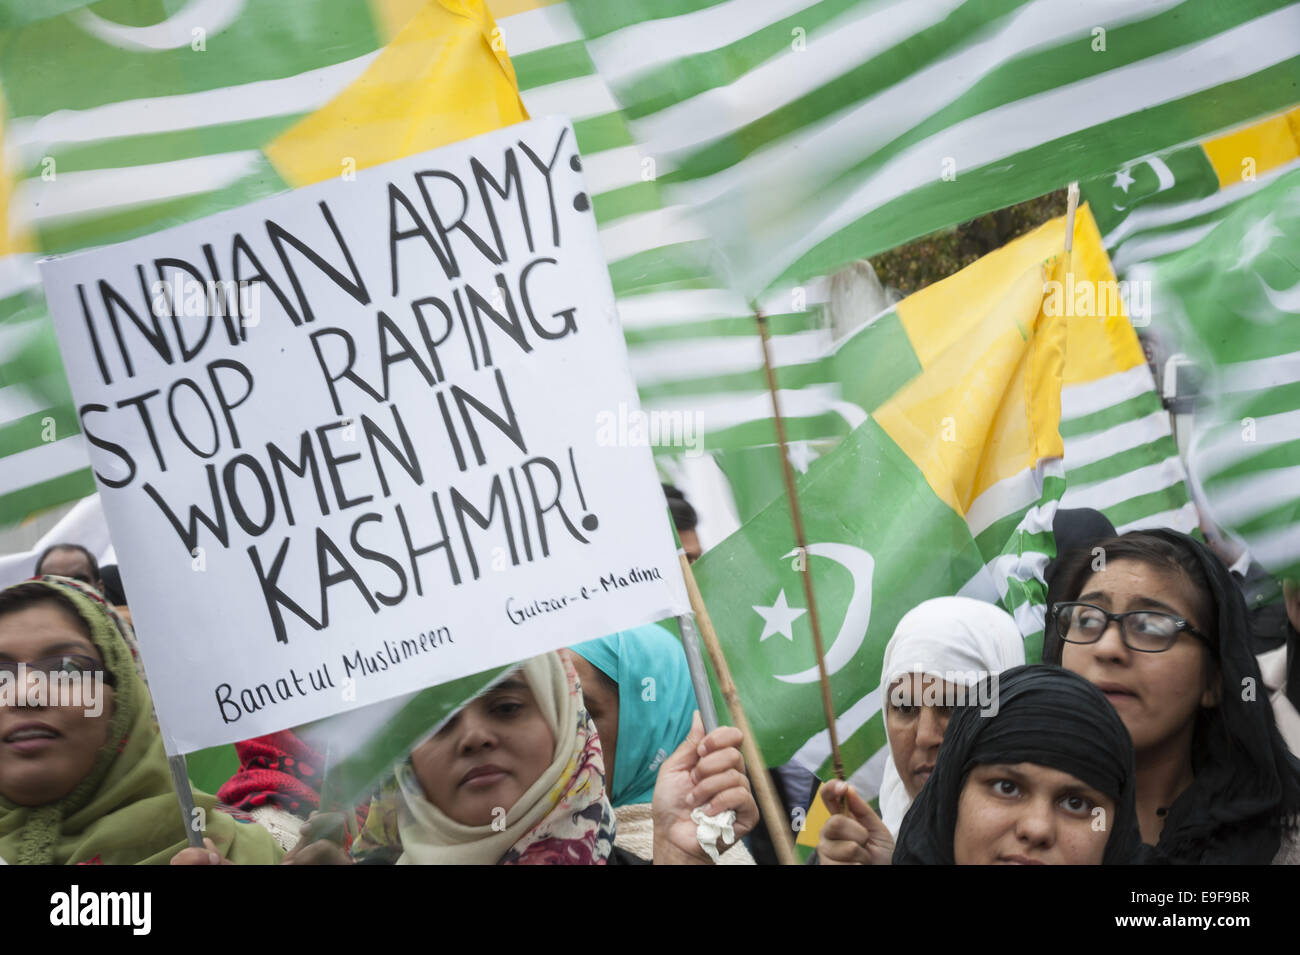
123 117
1232 303
807 133
690 338
948 485
1168 201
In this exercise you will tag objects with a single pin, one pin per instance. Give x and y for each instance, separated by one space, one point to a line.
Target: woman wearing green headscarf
89 783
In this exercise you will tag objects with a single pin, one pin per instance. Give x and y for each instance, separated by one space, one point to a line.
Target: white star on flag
1256 240
1123 180
778 618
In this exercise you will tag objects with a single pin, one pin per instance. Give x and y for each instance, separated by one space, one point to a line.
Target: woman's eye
1005 787
507 707
1077 805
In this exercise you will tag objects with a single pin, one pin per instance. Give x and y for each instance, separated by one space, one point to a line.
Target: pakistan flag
948 485
1232 302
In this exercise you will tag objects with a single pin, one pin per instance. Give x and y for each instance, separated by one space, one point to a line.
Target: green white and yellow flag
947 486
804 134
1166 202
123 117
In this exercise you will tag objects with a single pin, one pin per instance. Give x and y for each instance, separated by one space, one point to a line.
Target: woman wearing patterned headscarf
90 783
516 777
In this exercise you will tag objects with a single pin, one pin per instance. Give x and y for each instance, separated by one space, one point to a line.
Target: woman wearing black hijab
1161 628
1046 779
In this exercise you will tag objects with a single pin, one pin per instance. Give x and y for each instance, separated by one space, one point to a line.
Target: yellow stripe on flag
1255 149
1104 342
13 238
817 816
392 15
442 79
987 404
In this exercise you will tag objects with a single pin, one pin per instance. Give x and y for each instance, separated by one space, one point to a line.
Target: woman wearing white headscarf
954 639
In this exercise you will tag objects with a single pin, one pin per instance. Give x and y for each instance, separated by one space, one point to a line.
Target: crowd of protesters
1148 734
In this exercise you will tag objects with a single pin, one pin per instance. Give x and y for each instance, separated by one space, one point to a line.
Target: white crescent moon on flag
1164 175
176 31
1284 301
854 629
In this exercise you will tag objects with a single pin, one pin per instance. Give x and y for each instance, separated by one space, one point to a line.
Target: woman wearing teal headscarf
637 687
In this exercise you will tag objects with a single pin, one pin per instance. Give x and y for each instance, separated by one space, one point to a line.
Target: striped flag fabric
132 117
948 486
1232 303
804 134
692 340
1166 202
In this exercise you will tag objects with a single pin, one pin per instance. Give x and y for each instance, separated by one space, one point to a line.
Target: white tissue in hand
709 828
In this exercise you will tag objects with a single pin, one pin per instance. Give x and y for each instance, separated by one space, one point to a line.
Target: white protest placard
348 439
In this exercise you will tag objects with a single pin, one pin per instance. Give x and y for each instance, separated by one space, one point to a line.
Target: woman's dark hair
31 594
55 548
1155 550
1245 794
684 517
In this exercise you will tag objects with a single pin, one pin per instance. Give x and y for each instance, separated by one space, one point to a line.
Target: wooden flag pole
801 541
778 826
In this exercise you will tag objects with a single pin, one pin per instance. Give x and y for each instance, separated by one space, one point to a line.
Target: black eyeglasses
1146 631
63 663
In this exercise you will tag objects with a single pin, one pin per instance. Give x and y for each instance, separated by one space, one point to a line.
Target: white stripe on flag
43 463
1011 495
1277 548
653 43
1102 444
716 412
818 749
644 231
1161 243
17 401
1238 501
1259 373
1103 494
1080 400
79 193
1183 519
35 136
578 98
538 29
18 272
694 358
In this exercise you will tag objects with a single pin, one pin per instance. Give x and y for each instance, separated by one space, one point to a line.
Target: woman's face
1026 814
1157 695
47 750
915 729
487 755
600 694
